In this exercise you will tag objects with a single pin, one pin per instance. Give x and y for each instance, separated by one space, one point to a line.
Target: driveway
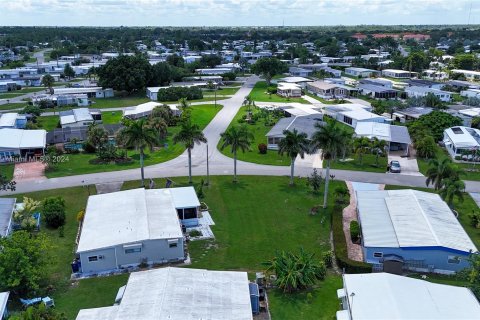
409 164
29 171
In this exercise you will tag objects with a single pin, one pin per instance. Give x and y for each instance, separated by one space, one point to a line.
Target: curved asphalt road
220 164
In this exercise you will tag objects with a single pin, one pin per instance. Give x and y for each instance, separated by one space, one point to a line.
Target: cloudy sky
236 12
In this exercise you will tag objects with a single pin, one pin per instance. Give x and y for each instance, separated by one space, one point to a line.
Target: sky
236 12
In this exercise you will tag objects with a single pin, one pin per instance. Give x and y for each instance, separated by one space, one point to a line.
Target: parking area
408 164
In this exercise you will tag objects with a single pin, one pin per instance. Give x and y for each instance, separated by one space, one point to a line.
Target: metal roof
389 296
463 137
376 88
22 139
129 216
303 124
144 109
8 120
409 218
7 205
180 294
75 115
184 197
3 301
383 131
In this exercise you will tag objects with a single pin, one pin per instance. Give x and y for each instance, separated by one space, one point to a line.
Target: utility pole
208 169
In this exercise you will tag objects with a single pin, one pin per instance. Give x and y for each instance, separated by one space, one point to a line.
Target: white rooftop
294 79
288 86
393 297
7 120
76 90
471 112
361 114
462 137
145 108
22 139
3 301
180 294
184 197
373 130
131 216
409 218
75 115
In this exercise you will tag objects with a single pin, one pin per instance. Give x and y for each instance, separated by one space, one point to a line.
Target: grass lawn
259 93
48 122
11 95
79 163
111 117
119 102
10 106
222 91
368 164
259 130
7 170
32 89
241 211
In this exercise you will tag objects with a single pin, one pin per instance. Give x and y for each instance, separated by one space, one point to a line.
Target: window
378 254
173 243
189 213
133 250
454 259
92 258
347 120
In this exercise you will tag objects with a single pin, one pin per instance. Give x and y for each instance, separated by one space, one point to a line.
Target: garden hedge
177 93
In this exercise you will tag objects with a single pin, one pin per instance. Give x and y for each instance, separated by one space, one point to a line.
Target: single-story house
459 140
411 113
361 72
303 124
3 304
299 72
377 82
470 93
389 296
352 113
145 109
179 294
444 96
7 206
398 74
425 84
328 90
416 229
13 120
378 92
469 74
462 85
19 142
214 71
285 89
65 135
79 117
321 66
91 92
300 81
6 86
81 100
126 228
469 113
434 74
397 137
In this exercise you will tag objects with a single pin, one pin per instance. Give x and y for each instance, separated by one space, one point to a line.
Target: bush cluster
176 93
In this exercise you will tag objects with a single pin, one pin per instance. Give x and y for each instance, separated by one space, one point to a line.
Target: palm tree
361 146
189 134
48 81
140 136
378 146
441 169
239 138
329 139
346 137
159 125
293 144
452 188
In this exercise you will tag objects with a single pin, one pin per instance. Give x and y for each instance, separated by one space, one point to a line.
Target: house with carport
396 137
21 143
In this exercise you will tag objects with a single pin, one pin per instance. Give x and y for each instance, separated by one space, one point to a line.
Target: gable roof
303 124
409 218
22 139
383 131
389 296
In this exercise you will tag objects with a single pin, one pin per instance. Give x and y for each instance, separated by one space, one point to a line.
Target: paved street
220 164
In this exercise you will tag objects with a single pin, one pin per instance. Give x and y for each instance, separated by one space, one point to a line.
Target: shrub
54 211
176 93
89 148
354 231
340 244
262 148
328 258
230 76
80 215
195 233
272 89
475 219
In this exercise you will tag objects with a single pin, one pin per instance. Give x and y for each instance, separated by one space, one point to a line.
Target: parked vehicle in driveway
394 167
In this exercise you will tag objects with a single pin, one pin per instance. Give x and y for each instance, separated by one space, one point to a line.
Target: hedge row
340 245
176 93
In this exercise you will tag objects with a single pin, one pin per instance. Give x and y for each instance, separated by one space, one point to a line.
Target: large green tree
139 135
269 67
189 134
441 169
329 139
125 73
465 61
68 71
293 144
24 261
238 138
436 122
48 81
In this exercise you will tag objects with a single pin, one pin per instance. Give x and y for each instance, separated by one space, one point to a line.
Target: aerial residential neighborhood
256 160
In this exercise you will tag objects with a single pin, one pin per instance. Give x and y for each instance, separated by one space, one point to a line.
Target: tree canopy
268 67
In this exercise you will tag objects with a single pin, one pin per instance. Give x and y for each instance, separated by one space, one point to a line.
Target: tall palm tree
452 188
361 146
441 169
140 135
293 144
378 146
189 134
159 125
329 139
238 138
